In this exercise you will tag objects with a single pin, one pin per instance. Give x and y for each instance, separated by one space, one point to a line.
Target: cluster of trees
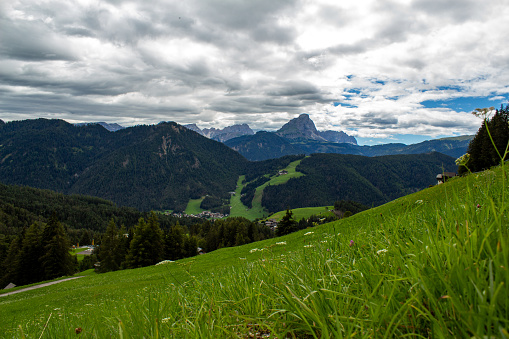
490 145
147 244
342 209
39 252
248 191
370 181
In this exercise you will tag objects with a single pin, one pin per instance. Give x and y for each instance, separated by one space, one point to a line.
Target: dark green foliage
248 192
484 151
109 251
32 249
174 243
270 167
10 266
147 246
147 167
82 215
286 225
216 204
234 232
263 146
347 205
370 181
56 260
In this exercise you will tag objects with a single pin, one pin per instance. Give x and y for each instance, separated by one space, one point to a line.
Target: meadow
238 209
434 264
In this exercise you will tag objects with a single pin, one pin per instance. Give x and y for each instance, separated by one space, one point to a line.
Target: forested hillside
370 181
148 167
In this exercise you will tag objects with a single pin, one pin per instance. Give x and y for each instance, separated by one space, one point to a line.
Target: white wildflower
281 243
418 202
308 246
381 251
253 250
308 233
164 262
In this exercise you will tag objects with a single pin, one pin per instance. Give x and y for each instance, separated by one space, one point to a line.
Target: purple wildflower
351 243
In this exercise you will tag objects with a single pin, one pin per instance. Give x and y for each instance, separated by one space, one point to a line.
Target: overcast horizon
382 71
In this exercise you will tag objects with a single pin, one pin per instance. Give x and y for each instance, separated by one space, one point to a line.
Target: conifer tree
489 145
174 243
30 267
109 250
10 266
147 246
56 260
286 225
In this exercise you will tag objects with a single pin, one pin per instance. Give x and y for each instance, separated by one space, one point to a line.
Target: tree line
490 145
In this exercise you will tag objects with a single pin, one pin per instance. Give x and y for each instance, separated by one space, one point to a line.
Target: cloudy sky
383 71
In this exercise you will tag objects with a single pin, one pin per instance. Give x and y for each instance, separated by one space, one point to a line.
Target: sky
380 70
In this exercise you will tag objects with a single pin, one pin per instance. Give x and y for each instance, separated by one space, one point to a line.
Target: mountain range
163 166
300 136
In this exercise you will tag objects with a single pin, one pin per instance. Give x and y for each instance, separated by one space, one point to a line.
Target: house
271 223
443 177
282 172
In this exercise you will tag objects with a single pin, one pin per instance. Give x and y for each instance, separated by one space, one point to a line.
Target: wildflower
308 233
478 206
351 243
165 320
253 250
381 251
462 161
281 243
323 241
242 258
308 246
418 202
78 330
164 262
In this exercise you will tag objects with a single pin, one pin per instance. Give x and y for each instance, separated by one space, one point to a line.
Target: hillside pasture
433 264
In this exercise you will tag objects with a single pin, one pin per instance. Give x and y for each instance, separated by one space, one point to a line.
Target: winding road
38 286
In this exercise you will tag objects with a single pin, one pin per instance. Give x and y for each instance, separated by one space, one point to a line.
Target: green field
193 206
305 212
434 264
257 211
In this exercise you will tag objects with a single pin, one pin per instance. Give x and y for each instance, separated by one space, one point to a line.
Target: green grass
306 212
434 264
193 206
238 209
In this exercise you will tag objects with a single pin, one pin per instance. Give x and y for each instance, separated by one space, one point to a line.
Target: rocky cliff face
195 128
224 134
300 128
339 137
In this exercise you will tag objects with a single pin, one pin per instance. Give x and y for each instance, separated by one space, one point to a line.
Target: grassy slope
432 264
305 212
193 206
257 211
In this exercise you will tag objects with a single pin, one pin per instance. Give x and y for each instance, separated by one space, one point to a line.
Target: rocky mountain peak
301 127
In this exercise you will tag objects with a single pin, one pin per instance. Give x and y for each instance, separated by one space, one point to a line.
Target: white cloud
217 63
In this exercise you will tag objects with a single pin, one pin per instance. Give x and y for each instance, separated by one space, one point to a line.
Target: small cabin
443 177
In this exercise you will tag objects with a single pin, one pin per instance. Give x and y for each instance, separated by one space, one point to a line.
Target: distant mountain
253 149
338 137
195 128
224 134
262 146
300 128
147 167
110 127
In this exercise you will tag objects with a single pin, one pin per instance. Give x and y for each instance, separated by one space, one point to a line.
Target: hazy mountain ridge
224 134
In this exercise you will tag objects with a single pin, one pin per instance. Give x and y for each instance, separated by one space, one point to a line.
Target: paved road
38 286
